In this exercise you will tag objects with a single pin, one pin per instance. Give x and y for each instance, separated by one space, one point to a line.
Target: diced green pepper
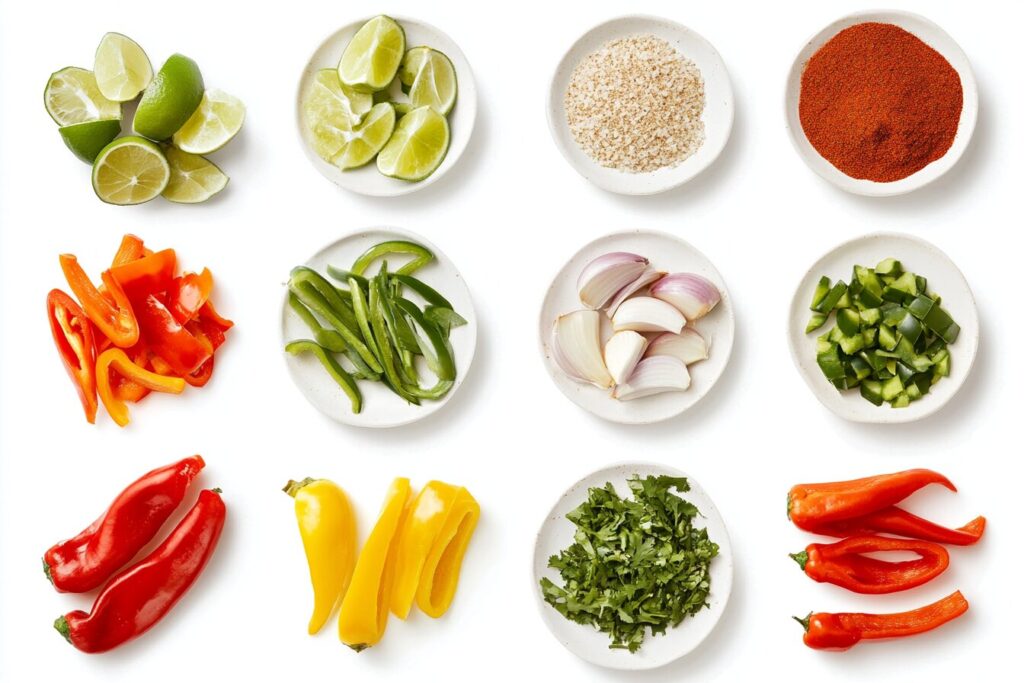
830 364
871 294
870 316
892 388
921 306
910 327
872 391
833 297
901 401
889 266
887 338
820 292
848 320
853 344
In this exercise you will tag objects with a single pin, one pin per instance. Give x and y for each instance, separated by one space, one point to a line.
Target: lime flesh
357 147
217 120
417 147
72 96
328 101
371 59
87 139
429 78
122 68
193 178
170 99
130 170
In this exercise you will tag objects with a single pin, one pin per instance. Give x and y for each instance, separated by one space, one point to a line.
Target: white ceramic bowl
381 407
944 278
367 179
718 107
556 533
938 40
672 255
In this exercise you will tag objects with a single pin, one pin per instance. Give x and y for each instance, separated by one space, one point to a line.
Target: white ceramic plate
666 253
944 278
556 533
718 107
367 179
938 40
381 407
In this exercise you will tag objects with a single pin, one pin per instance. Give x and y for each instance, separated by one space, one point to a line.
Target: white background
508 215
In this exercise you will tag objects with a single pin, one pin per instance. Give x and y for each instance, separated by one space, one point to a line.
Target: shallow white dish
718 104
381 407
672 255
556 533
944 278
934 37
367 179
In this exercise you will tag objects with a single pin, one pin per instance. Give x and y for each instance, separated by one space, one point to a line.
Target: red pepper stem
800 558
61 624
805 622
46 570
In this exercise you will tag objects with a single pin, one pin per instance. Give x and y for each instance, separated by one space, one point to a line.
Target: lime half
72 96
371 59
170 99
418 146
122 68
217 120
429 78
87 139
130 170
193 179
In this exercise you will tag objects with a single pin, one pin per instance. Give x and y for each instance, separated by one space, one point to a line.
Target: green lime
193 179
72 96
418 146
429 78
328 102
170 99
217 120
357 147
130 170
371 59
122 68
87 139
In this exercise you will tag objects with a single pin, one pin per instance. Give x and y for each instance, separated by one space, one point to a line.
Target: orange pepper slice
118 360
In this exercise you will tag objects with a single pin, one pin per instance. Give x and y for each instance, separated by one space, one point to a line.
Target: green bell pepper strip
334 369
429 294
312 298
387 358
301 275
342 275
435 392
421 256
401 333
329 339
359 305
435 348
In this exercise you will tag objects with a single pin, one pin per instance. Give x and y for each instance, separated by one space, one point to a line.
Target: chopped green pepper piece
830 363
852 345
901 401
848 321
816 321
921 306
870 316
889 266
892 388
871 294
820 291
872 391
887 338
910 328
833 297
334 369
421 256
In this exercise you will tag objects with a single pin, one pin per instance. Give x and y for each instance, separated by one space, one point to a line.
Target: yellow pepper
327 525
440 575
364 610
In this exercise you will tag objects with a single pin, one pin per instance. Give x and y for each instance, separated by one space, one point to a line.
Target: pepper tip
61 624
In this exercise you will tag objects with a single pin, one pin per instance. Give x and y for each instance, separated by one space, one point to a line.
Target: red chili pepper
169 339
142 594
84 562
845 564
841 631
812 505
110 311
147 275
898 522
72 333
187 294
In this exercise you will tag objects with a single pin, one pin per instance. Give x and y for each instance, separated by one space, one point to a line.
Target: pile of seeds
635 105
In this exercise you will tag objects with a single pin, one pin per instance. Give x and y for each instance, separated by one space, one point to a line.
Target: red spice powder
879 103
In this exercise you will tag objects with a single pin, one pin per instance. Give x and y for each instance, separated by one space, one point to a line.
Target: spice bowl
944 278
936 38
588 643
717 114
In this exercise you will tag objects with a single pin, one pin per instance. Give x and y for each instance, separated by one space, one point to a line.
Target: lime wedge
122 68
359 145
418 146
72 96
193 179
329 102
217 120
170 99
87 139
130 170
371 59
429 78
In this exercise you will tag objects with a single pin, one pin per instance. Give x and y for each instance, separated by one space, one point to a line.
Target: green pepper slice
329 339
421 256
435 350
334 369
312 298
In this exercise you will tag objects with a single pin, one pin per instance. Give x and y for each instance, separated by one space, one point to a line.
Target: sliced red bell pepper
72 333
126 389
168 339
210 313
131 249
847 564
897 521
117 360
187 294
115 320
147 275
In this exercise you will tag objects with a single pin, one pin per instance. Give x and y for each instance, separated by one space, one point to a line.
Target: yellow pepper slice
119 361
440 575
327 525
420 530
364 610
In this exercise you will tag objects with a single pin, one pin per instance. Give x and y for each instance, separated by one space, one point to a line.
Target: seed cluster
635 105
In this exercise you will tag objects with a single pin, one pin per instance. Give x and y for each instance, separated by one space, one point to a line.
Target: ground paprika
878 103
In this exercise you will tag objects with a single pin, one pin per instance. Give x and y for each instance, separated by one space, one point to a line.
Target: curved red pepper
898 522
147 275
811 505
168 339
72 333
90 558
846 565
130 250
140 596
841 631
187 294
114 316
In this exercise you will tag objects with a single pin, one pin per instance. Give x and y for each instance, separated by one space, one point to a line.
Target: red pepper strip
168 339
116 321
131 249
142 594
147 275
72 333
187 294
210 313
126 389
898 522
824 631
84 562
816 504
117 359
844 564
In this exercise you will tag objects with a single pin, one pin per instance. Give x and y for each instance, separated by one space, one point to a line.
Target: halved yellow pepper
440 576
364 610
327 525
